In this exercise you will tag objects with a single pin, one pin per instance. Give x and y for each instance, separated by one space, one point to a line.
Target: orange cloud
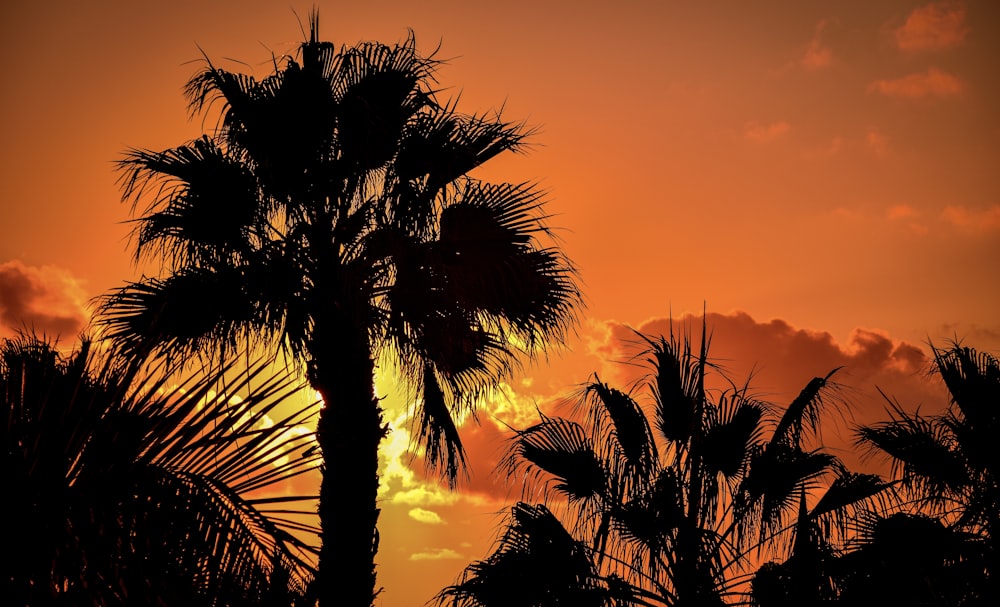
900 211
933 27
780 359
817 55
764 133
933 83
977 220
47 300
907 214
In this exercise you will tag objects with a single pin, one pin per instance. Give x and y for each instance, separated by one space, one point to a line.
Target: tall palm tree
669 496
123 488
949 465
331 215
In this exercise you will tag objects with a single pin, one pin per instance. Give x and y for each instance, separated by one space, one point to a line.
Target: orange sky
823 176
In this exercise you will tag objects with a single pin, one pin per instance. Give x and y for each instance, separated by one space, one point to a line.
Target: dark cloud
46 300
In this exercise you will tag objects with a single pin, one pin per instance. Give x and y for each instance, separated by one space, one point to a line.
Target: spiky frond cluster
124 488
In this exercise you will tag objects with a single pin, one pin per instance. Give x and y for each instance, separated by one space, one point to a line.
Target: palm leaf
728 442
629 429
559 448
805 412
438 433
536 562
113 461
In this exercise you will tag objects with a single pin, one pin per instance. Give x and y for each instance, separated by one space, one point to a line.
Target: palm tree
330 216
670 497
123 488
949 467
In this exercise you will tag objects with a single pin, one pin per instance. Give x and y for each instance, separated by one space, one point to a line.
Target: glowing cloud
47 300
933 27
428 517
439 554
764 133
933 83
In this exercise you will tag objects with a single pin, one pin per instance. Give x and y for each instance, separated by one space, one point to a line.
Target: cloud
764 133
900 211
932 83
817 55
909 216
780 359
428 517
47 300
877 142
777 357
975 220
437 554
937 26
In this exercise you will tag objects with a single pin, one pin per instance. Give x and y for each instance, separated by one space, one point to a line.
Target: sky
822 178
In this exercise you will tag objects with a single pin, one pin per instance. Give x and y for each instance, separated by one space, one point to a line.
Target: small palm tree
949 465
124 489
670 496
331 216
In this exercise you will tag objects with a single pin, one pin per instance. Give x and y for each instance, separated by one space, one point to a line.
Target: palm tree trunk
349 431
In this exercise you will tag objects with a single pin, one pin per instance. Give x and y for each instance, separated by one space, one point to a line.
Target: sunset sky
823 177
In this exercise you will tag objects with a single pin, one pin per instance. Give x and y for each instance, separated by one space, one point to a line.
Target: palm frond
628 428
973 381
438 433
562 449
109 458
536 562
777 477
187 312
803 413
678 386
921 451
728 442
204 203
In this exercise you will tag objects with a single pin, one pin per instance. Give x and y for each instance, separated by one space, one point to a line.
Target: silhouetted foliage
331 214
669 495
933 544
122 488
949 468
537 564
913 559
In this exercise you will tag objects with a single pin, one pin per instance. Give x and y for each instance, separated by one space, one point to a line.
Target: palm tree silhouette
331 215
949 469
123 488
670 496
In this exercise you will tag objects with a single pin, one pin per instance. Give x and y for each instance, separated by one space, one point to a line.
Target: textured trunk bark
350 430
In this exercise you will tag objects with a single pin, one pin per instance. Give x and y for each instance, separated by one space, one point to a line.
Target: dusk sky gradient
823 177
